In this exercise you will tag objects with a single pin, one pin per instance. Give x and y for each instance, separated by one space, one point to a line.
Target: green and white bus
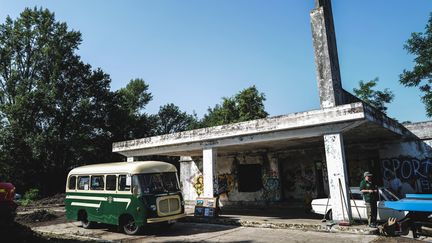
127 194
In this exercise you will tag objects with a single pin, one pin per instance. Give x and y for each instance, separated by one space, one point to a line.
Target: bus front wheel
86 224
129 226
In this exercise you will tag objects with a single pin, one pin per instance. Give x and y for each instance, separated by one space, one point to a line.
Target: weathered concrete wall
361 158
288 175
298 178
407 166
191 178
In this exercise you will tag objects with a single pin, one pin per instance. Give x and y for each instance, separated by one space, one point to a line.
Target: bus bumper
167 218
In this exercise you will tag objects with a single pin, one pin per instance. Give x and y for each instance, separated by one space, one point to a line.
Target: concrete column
326 56
209 163
337 171
188 173
273 183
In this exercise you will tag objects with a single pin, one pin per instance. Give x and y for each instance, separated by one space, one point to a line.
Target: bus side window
111 182
83 182
97 182
72 183
122 183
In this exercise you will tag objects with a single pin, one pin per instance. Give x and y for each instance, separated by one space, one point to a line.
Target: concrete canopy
357 121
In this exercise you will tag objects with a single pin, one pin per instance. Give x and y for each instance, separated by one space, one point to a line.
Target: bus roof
136 167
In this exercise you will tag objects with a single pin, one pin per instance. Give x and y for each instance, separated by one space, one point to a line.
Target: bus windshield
158 183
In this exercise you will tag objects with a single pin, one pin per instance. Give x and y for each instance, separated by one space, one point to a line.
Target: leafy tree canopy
56 111
420 45
378 99
171 119
246 105
135 96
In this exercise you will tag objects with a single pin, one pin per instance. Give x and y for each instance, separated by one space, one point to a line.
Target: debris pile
36 216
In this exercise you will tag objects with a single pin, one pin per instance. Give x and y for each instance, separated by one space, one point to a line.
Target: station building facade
300 156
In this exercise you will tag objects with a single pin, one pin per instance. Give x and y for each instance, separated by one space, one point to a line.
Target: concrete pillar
188 174
338 176
209 163
272 185
326 56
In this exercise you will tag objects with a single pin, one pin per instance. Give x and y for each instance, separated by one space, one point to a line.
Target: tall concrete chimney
326 56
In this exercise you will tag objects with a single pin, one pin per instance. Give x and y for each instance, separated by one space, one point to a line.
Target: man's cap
367 173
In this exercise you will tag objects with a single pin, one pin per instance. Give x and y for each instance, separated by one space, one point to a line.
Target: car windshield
389 195
158 183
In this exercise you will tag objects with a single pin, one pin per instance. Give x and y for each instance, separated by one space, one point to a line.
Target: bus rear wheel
130 227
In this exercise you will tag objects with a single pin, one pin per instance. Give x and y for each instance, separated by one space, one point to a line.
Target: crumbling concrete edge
291 226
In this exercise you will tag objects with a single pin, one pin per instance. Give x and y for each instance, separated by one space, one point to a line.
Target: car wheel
130 227
329 215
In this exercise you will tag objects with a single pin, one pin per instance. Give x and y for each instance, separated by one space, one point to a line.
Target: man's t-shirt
368 196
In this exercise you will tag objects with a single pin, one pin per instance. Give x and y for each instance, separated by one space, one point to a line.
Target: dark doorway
249 178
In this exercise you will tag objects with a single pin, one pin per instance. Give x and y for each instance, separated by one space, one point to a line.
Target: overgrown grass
29 196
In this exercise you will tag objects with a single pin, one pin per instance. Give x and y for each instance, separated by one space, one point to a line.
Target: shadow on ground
282 213
17 233
178 229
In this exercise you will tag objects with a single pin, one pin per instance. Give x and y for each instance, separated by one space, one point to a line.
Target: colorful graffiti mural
223 184
271 186
407 175
198 185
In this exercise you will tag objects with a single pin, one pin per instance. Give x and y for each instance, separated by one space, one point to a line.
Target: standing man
369 190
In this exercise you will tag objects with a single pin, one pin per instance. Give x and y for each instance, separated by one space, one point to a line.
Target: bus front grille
168 205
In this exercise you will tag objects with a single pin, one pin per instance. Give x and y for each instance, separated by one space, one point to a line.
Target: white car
358 208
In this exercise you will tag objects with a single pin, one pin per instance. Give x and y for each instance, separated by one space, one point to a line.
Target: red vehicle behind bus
7 204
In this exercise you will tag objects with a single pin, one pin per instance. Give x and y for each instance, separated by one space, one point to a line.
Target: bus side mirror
135 190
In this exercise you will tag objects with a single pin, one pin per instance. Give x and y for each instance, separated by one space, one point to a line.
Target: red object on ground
7 191
7 204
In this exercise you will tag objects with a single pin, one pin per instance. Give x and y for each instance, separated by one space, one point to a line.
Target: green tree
420 45
53 106
127 119
56 112
376 98
246 105
171 119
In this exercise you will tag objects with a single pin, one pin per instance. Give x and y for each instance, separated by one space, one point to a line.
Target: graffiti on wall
198 185
407 175
271 186
223 184
299 181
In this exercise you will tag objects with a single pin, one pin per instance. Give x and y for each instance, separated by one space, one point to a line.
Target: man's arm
363 188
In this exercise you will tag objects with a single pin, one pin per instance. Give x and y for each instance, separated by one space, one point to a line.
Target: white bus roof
136 167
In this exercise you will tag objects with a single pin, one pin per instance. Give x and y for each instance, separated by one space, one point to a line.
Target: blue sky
194 52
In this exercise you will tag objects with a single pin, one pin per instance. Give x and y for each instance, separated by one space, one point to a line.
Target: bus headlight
153 207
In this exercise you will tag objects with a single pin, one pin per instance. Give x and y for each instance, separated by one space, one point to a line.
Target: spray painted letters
414 172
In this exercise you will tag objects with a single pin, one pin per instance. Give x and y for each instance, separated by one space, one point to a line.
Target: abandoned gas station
303 155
